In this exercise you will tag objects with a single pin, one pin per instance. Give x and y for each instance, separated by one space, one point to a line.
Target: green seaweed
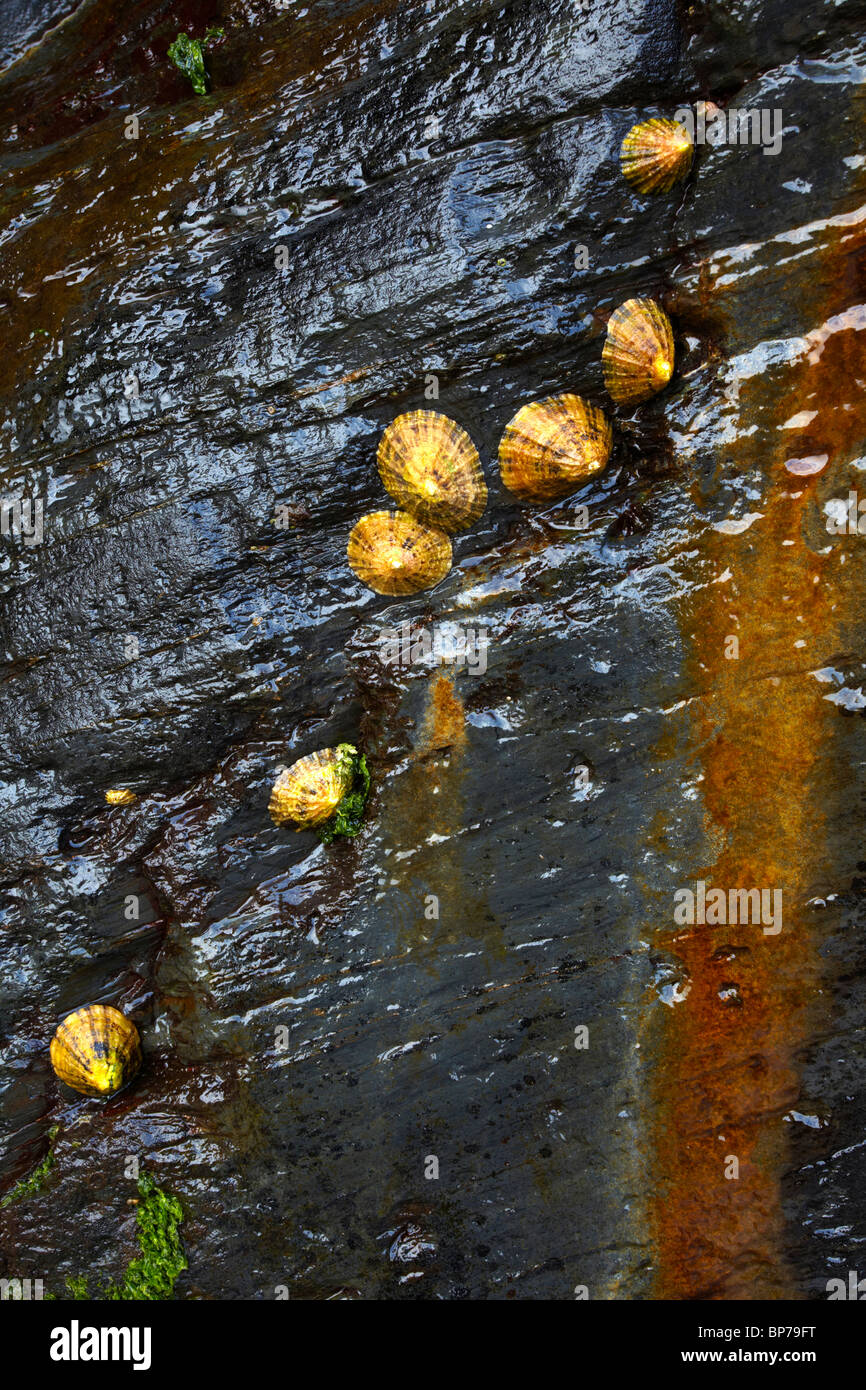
153 1273
159 1218
188 56
349 815
37 1178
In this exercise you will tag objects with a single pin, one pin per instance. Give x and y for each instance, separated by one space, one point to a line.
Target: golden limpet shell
431 468
394 553
310 791
120 796
96 1050
638 354
656 154
552 446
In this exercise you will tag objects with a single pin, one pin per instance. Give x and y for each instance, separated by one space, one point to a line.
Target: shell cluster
430 467
96 1050
551 447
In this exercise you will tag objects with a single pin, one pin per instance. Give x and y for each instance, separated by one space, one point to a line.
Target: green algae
188 56
37 1178
349 815
152 1275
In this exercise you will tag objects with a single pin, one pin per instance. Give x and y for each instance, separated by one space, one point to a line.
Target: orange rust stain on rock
433 888
728 1061
728 1070
431 804
444 723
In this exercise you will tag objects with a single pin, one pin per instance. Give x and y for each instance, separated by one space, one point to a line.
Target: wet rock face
471 1053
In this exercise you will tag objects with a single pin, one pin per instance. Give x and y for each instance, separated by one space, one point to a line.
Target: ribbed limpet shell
394 553
430 467
309 792
120 796
655 154
638 354
553 446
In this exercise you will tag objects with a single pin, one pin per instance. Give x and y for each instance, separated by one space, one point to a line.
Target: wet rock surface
361 1073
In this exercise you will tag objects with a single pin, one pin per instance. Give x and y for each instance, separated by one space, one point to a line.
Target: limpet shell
638 354
553 446
430 467
309 792
96 1050
655 154
120 796
394 553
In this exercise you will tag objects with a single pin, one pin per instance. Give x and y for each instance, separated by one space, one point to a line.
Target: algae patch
349 815
153 1273
188 56
35 1180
